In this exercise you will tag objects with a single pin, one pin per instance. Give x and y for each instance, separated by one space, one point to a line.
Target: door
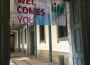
4 32
12 43
87 29
77 32
32 41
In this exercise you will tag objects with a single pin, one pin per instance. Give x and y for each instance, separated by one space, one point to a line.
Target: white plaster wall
38 37
20 45
42 45
62 46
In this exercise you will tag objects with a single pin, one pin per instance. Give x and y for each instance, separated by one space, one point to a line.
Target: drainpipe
50 44
50 36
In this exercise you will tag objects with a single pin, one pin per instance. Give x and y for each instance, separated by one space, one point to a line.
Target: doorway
32 40
32 43
12 42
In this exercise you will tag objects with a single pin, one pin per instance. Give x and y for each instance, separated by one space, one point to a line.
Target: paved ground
20 59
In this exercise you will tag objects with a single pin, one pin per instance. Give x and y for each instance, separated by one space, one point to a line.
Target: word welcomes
26 9
38 11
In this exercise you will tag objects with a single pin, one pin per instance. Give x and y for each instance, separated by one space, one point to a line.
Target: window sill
62 39
42 41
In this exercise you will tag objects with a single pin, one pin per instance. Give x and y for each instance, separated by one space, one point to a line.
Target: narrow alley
22 59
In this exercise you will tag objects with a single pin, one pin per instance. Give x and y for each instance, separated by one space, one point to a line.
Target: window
42 32
62 31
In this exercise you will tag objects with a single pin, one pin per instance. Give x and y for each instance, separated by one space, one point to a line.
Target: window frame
64 38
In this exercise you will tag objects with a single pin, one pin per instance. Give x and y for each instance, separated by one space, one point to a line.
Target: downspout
50 36
50 44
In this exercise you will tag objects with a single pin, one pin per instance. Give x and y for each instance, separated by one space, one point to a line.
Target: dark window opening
62 31
42 32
